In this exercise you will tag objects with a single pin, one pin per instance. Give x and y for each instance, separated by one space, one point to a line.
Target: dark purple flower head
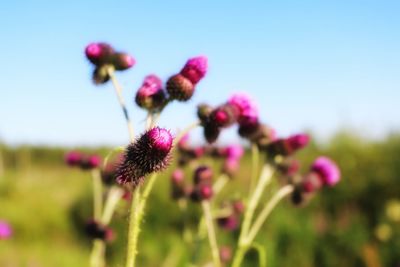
203 191
211 132
298 141
99 53
195 69
224 116
203 174
96 230
90 162
327 170
149 153
311 183
73 158
180 88
5 230
150 95
122 61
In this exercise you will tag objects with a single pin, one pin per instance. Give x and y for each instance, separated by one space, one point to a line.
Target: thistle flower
149 153
224 116
203 174
99 53
211 132
230 167
97 230
246 106
195 69
298 141
289 167
122 61
90 162
100 75
228 223
288 146
73 158
180 88
201 192
233 152
311 183
150 95
204 112
327 170
5 230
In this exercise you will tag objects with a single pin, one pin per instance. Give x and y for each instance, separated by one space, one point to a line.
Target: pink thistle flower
177 176
327 170
195 69
312 182
204 112
99 53
224 116
201 192
90 162
123 61
234 152
149 153
246 106
5 230
230 166
298 141
229 223
203 174
180 88
150 95
73 158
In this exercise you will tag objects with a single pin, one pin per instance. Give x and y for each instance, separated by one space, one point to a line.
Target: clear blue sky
317 65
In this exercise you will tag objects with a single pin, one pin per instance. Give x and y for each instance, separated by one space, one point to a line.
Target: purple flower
247 108
123 61
327 170
298 141
73 158
5 230
150 95
234 152
229 223
99 53
203 174
224 116
149 153
177 176
180 88
90 162
195 69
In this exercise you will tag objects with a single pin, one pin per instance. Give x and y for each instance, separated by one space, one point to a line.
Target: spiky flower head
5 230
201 192
287 146
180 88
248 111
195 69
99 53
298 141
233 152
327 170
211 132
122 61
150 95
90 162
203 174
149 153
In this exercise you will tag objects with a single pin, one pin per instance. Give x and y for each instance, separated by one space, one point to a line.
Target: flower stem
114 195
97 255
220 183
265 178
255 158
136 215
118 91
211 232
97 194
284 191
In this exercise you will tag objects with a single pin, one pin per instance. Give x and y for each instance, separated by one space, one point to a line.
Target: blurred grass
47 204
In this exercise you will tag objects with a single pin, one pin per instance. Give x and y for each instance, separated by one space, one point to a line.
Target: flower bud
238 206
180 88
211 132
246 107
73 158
203 174
234 152
298 141
224 116
90 162
97 230
204 112
149 153
177 176
195 69
201 192
100 75
150 95
327 170
122 61
229 223
99 53
312 182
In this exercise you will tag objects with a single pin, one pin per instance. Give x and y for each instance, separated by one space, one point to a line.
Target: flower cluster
82 161
103 57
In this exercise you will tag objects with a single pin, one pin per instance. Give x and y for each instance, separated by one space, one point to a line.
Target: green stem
136 215
220 183
284 191
97 194
118 91
97 255
211 233
114 196
255 158
265 178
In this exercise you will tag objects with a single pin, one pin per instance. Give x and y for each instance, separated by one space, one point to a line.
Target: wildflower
211 132
90 162
234 152
201 192
203 174
229 223
287 146
204 112
230 166
150 95
73 158
99 53
100 75
5 230
149 153
195 69
246 106
97 230
224 116
327 170
122 61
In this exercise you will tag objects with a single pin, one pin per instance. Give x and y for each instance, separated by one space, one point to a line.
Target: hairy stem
114 196
211 232
118 91
97 255
136 215
284 191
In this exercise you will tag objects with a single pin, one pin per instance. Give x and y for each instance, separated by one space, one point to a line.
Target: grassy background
47 204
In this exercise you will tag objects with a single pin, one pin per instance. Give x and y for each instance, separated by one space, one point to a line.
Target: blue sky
311 65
